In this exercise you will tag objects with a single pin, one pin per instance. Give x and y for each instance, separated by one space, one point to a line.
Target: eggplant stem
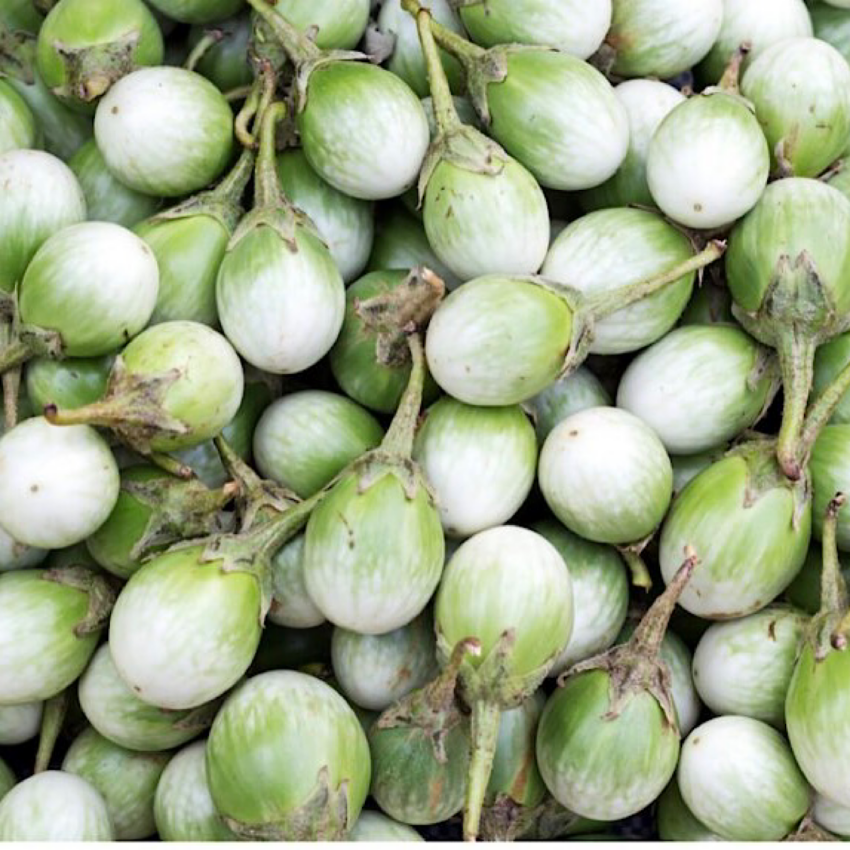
441 95
209 40
797 363
820 412
833 587
238 93
171 465
637 567
14 354
485 733
461 48
399 437
246 115
55 710
730 80
296 45
266 183
231 189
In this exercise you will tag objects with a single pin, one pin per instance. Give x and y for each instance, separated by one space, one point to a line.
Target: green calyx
636 667
829 629
20 342
17 55
323 817
100 589
90 71
52 720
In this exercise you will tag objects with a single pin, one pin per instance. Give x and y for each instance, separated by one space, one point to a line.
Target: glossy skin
119 715
165 131
600 591
373 558
226 64
507 578
67 383
59 484
458 444
817 720
801 92
82 25
719 176
738 776
698 387
183 808
560 118
612 248
40 197
284 717
568 395
345 224
363 130
606 475
497 341
741 569
305 439
187 655
744 666
126 780
340 23
95 283
18 128
54 806
604 768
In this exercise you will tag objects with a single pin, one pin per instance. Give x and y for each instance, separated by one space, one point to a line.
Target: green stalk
267 191
441 95
55 710
297 46
485 733
210 39
232 187
399 437
797 363
820 412
834 598
462 49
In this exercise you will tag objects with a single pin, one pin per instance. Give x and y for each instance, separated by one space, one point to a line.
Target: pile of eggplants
424 420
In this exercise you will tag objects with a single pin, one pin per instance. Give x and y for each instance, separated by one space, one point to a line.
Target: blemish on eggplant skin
114 110
573 433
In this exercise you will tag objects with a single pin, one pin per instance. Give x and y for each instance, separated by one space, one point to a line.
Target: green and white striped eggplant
516 789
154 511
606 476
608 740
189 242
501 340
84 47
61 613
18 556
54 806
406 59
721 173
571 394
571 26
830 471
744 666
758 23
107 199
788 269
483 211
357 360
738 777
183 808
305 439
374 671
800 88
20 722
291 605
197 11
528 98
676 822
751 527
280 296
401 243
700 386
164 131
816 705
375 546
830 359
345 224
420 750
339 24
125 779
58 485
174 386
18 127
510 589
609 249
41 196
647 104
373 826
120 716
7 779
494 447
657 38
831 24
291 716
362 128
73 382
225 61
600 593
89 289
831 816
